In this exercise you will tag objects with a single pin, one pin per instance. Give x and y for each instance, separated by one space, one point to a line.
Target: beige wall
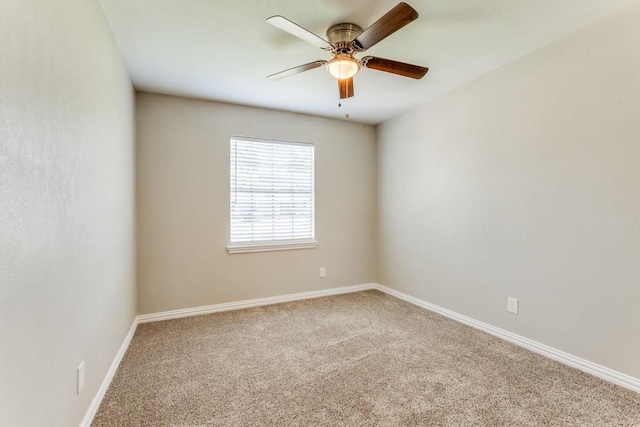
183 205
67 278
526 183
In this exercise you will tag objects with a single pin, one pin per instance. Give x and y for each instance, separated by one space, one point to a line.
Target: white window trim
241 248
283 245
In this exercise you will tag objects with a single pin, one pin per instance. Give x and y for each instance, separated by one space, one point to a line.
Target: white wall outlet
512 305
323 272
80 377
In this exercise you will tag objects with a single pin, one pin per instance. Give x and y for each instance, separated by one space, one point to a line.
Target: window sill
240 248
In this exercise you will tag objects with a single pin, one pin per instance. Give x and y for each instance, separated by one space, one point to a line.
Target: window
272 197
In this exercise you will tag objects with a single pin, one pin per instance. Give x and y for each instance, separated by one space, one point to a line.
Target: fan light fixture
343 67
346 40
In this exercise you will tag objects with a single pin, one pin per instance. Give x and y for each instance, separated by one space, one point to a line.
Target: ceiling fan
345 41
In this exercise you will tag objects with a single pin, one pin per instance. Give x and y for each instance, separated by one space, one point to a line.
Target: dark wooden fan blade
346 88
302 33
395 67
391 22
296 70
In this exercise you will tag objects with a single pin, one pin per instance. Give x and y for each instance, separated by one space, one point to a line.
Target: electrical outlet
80 377
323 272
512 305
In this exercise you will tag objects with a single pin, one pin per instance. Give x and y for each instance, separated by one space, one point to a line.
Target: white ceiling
223 50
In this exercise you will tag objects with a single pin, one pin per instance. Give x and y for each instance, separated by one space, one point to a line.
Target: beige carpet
358 360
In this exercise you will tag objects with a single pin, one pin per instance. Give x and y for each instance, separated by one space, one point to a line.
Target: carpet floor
358 359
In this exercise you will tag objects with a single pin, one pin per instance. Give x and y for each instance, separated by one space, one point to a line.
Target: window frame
272 245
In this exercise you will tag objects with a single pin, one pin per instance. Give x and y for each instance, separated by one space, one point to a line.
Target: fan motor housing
341 35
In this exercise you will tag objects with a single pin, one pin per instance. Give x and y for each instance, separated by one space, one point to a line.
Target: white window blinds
271 191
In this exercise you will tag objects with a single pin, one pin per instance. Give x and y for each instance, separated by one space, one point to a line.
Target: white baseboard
584 365
215 308
97 400
576 362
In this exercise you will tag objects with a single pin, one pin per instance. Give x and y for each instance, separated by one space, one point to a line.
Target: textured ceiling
223 50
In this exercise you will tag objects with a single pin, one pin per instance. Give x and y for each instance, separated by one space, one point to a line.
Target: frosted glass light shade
343 67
